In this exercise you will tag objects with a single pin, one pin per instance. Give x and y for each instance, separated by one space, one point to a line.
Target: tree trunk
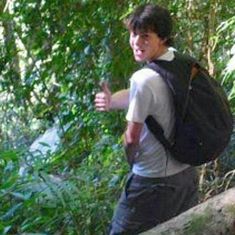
215 216
10 44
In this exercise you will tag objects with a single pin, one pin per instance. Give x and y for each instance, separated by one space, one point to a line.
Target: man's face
146 46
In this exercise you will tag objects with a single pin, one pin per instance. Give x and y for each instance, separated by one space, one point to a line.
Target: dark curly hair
151 17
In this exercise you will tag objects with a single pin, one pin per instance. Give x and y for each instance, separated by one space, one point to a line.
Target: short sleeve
140 99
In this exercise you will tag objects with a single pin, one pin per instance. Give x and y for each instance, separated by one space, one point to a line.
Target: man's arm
131 140
104 101
120 99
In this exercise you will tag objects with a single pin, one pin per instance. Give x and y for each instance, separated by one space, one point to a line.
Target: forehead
141 29
137 31
142 25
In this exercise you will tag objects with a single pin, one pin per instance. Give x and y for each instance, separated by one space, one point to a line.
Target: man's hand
103 99
131 151
131 141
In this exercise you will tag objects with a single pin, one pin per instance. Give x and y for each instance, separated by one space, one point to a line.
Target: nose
136 40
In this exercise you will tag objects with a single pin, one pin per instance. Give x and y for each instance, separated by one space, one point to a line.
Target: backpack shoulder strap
157 131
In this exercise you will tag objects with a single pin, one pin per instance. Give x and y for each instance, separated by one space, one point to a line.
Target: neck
163 51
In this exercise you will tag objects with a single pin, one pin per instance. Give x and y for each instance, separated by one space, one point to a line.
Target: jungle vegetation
53 56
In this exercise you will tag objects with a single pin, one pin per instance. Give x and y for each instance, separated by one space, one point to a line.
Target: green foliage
54 54
78 201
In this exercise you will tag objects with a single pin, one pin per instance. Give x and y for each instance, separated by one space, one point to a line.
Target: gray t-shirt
149 95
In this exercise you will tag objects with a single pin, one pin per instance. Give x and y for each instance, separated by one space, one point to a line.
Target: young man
158 187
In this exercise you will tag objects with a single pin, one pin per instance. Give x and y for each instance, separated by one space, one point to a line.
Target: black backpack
203 120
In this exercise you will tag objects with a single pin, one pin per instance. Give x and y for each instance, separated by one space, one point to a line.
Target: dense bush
54 54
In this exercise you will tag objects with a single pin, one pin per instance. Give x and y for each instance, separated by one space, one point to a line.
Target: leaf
7 229
11 212
21 196
9 155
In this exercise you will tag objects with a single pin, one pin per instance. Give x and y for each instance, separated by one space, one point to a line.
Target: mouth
139 51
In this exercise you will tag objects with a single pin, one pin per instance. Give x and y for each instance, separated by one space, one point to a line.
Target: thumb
105 87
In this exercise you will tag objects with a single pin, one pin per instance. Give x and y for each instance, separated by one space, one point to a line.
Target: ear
163 41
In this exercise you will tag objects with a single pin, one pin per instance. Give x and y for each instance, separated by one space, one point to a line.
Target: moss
230 209
198 222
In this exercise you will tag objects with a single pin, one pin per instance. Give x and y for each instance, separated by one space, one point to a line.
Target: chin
138 59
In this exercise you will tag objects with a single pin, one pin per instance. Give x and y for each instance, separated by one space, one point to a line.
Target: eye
133 34
145 35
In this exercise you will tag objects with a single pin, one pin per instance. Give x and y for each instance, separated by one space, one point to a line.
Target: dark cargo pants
146 202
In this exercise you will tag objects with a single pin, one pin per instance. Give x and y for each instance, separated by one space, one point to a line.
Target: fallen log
216 216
